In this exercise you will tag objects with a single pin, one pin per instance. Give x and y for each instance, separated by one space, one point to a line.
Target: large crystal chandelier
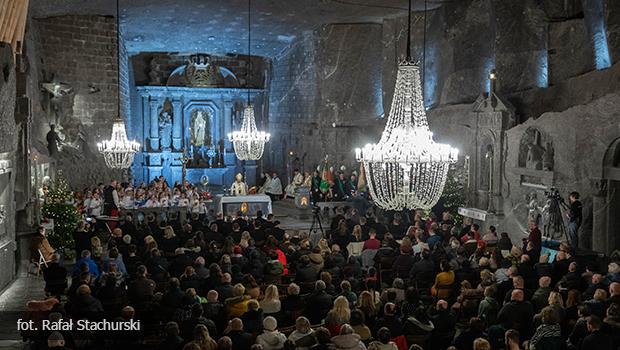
248 142
118 151
406 169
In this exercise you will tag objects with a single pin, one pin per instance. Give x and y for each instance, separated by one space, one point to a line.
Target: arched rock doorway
606 203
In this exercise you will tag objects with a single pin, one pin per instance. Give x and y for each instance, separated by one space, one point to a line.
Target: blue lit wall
595 21
489 65
542 79
431 67
378 88
601 50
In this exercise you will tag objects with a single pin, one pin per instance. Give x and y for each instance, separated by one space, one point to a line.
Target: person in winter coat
303 335
383 341
549 334
488 307
348 340
253 318
237 305
85 306
273 269
271 338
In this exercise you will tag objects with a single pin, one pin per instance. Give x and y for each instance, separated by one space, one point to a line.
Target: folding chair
41 261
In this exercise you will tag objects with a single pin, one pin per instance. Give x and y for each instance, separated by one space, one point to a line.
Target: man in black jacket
241 340
55 277
517 314
596 339
321 303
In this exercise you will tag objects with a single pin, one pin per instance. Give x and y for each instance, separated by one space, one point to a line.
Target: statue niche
532 154
200 124
165 125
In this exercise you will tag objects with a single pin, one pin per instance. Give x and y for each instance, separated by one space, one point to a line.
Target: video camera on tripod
554 194
556 222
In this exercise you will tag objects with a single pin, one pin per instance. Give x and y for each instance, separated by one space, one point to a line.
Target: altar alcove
191 117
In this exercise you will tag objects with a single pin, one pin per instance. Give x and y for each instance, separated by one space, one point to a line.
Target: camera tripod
316 225
556 220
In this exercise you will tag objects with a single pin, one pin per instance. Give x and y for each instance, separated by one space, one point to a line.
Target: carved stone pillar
228 124
154 109
599 223
146 117
177 124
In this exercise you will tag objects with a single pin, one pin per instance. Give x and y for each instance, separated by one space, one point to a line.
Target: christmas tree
59 208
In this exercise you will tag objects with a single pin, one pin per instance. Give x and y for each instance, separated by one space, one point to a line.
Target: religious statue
154 75
165 129
535 153
547 158
534 211
239 188
52 141
200 126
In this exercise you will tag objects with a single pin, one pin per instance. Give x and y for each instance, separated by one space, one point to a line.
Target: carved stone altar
196 120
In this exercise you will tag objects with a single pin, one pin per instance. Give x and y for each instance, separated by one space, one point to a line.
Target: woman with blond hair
302 336
271 302
203 339
97 248
244 242
338 315
357 233
324 247
150 244
556 302
169 242
369 304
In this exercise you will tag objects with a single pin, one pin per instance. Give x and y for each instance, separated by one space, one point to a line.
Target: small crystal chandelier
248 143
406 169
118 151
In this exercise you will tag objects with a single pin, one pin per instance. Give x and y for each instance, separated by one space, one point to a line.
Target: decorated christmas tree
453 195
58 207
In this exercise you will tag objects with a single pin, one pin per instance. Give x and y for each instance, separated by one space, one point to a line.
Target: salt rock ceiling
221 26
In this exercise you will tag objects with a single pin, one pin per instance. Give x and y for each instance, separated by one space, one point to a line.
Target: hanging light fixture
118 151
407 169
249 143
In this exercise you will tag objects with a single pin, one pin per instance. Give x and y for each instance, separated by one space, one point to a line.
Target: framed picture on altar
247 208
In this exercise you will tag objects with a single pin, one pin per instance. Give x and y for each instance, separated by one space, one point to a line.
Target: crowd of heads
385 281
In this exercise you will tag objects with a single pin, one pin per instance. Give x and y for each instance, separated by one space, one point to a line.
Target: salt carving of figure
546 217
535 154
199 129
165 129
533 214
548 157
52 141
239 188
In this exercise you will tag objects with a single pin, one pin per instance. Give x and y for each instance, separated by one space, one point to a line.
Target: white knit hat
270 323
